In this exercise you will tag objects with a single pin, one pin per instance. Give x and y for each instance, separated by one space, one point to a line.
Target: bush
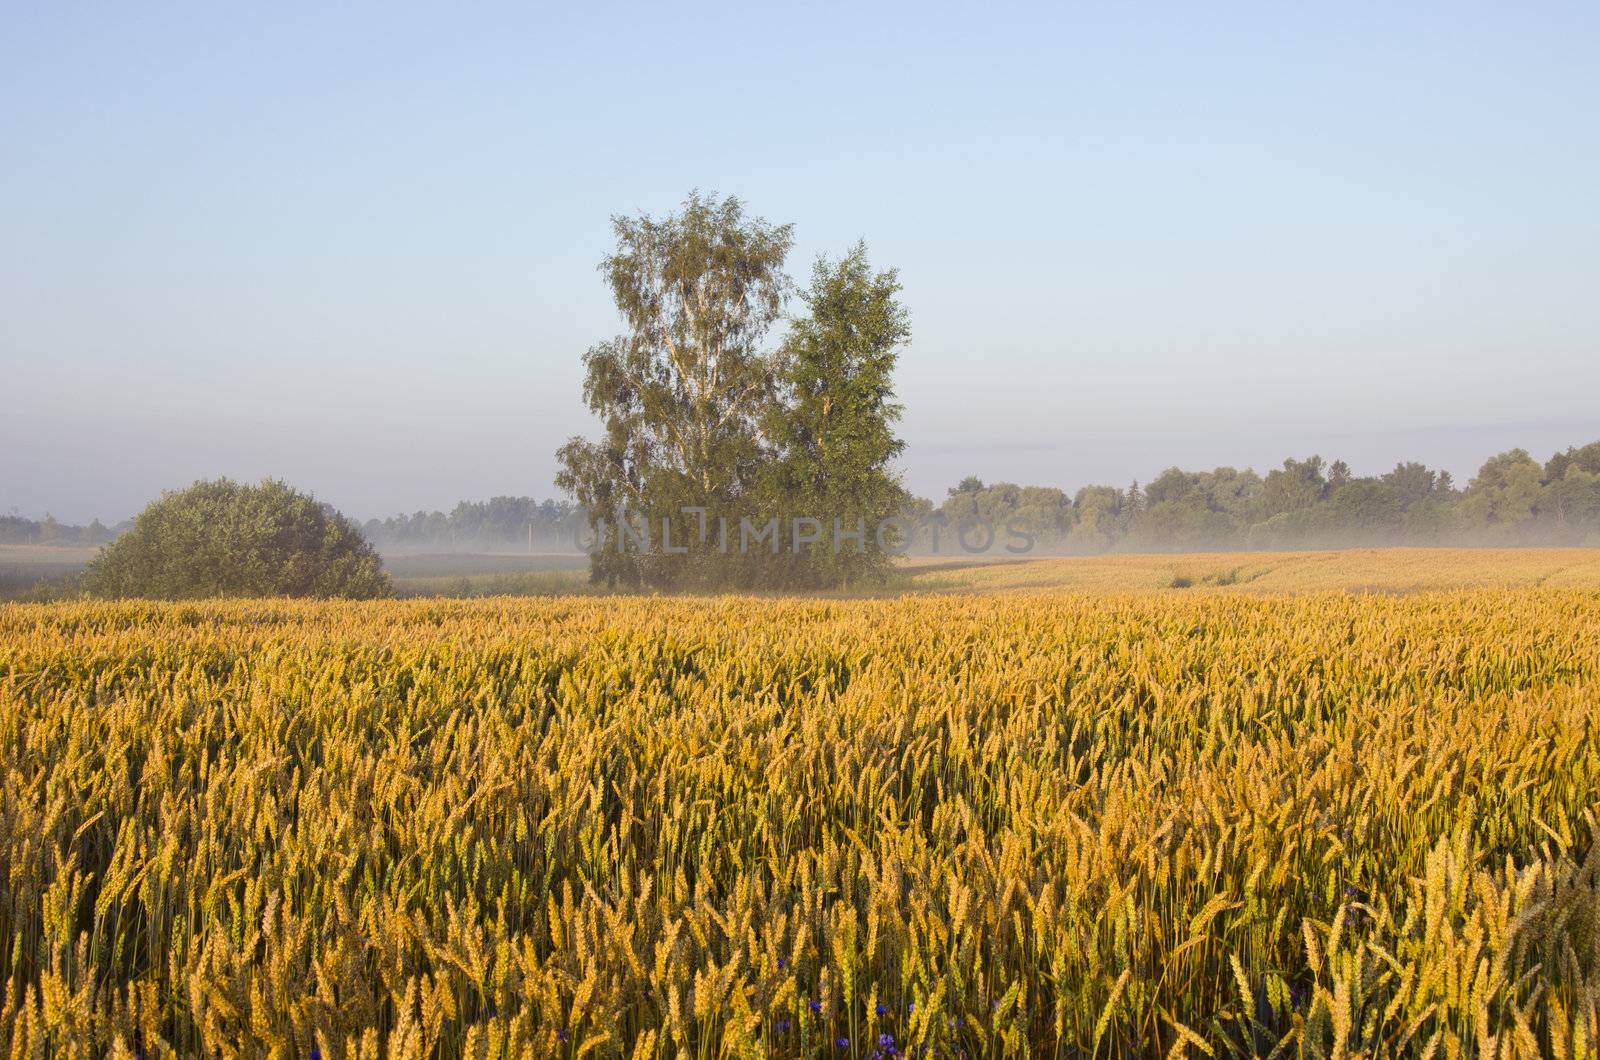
223 538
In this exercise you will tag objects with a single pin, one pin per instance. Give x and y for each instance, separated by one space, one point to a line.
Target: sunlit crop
1042 824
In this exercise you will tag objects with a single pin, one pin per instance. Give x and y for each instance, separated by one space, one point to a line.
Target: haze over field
356 248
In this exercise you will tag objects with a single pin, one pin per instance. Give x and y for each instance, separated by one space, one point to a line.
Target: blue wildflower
843 1043
882 1009
814 1006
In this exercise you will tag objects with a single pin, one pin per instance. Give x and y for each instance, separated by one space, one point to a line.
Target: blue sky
354 246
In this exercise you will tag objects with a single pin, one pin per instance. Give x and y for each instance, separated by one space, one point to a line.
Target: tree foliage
683 393
497 524
1306 504
716 449
224 538
833 425
16 530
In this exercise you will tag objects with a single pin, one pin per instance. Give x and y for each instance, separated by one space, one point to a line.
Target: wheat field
1043 823
1385 570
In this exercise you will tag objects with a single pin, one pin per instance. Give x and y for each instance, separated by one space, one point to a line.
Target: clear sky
354 246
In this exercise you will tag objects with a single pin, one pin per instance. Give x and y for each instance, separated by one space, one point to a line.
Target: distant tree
1298 484
917 515
1043 512
1185 524
1171 486
15 530
222 538
1098 521
1586 459
1412 482
1231 491
1187 509
961 504
497 523
833 422
1338 476
1572 491
1506 491
1365 510
684 391
985 503
1573 500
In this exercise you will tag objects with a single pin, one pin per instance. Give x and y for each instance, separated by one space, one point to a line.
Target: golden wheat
1022 824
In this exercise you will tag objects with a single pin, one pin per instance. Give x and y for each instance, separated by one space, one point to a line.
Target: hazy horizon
356 249
934 491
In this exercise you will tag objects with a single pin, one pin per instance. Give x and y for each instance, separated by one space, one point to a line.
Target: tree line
17 530
1309 503
1513 499
496 524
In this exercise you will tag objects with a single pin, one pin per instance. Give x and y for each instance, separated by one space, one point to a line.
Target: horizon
1460 479
358 252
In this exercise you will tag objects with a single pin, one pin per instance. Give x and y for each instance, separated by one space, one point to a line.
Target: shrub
224 538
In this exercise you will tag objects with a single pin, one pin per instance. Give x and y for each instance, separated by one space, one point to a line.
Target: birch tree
683 392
